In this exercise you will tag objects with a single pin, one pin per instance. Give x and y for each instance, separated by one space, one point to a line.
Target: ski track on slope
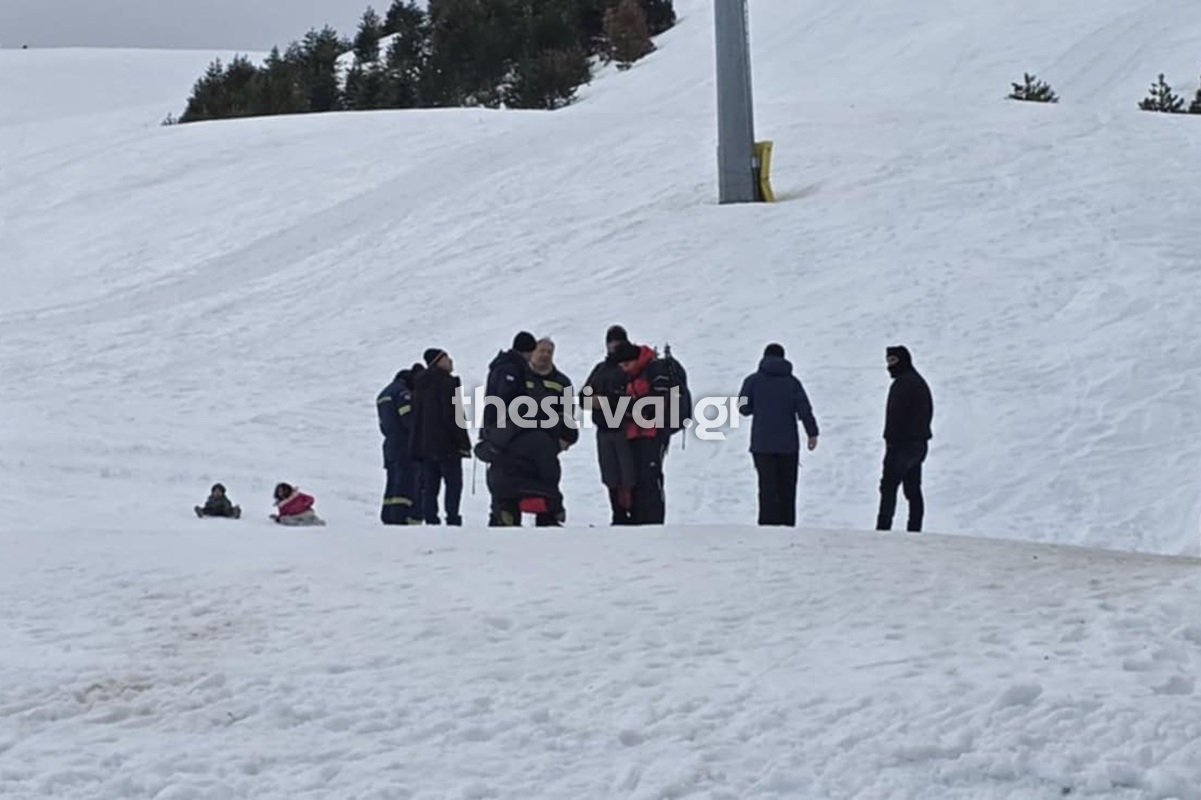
702 662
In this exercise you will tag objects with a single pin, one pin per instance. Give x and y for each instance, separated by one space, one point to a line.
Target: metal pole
736 169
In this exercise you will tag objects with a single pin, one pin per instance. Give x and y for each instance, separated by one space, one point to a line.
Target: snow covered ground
222 301
709 662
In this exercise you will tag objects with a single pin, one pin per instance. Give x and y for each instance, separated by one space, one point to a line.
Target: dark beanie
774 350
616 333
524 342
432 355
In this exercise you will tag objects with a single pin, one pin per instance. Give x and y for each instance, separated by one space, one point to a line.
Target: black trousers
902 468
649 506
402 501
433 473
777 487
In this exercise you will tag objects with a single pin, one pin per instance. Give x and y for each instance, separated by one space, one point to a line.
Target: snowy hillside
227 298
222 301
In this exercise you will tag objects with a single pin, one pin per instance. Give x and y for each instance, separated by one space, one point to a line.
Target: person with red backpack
631 451
602 394
648 444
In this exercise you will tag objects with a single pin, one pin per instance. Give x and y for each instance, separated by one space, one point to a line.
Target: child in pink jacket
295 507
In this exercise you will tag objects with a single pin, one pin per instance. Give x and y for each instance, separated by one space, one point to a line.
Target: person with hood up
522 457
775 399
439 439
907 433
402 503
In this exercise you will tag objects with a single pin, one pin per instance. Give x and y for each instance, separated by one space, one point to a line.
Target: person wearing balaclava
907 433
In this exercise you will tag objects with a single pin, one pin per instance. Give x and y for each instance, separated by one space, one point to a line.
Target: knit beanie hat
774 350
616 333
524 342
432 355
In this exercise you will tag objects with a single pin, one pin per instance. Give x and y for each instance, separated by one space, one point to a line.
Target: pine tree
627 33
1162 99
207 100
403 15
549 79
660 15
316 60
1195 107
406 77
366 41
279 86
474 46
1033 90
240 88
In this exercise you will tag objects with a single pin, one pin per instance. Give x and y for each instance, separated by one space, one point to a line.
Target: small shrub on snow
1162 99
1033 90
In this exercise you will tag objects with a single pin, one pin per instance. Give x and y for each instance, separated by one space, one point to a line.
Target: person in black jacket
528 469
439 439
550 381
776 399
607 383
401 505
522 456
907 434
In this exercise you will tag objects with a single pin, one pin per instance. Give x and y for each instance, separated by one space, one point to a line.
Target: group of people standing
425 441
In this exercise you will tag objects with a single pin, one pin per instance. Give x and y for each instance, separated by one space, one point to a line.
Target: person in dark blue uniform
401 504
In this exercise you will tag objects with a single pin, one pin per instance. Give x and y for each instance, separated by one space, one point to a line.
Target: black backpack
664 373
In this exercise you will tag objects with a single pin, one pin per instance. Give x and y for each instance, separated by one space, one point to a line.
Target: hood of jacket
904 360
507 357
432 377
775 365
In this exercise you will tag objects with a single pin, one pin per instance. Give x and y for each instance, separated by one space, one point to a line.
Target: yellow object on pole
763 159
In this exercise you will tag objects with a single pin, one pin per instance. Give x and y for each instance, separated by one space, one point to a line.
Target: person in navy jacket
776 399
401 504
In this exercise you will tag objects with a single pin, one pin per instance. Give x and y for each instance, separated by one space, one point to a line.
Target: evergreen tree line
1159 98
519 53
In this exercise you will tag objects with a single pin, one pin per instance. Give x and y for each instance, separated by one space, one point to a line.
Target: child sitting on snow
218 505
295 507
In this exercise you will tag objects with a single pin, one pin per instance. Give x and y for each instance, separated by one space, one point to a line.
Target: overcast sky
244 25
